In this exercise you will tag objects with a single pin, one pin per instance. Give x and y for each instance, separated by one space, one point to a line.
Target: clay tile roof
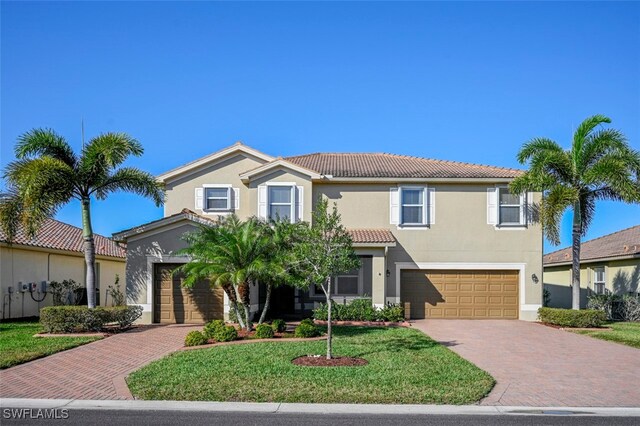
371 236
61 236
379 165
622 243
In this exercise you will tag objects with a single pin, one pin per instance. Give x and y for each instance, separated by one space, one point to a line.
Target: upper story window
598 280
510 207
505 209
217 199
413 206
281 202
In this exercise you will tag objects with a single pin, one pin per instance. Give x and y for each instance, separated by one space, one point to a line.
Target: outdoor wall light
388 273
534 278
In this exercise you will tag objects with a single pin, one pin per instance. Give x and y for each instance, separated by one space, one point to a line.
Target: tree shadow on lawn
412 342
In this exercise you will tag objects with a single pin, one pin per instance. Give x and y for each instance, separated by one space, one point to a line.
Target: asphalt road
155 418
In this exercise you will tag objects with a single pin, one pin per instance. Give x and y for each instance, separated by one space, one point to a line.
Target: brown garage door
460 294
176 304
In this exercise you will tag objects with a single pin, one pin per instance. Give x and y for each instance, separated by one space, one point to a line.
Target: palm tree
48 174
233 255
599 166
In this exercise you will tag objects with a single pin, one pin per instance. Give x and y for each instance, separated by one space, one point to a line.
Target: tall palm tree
233 255
600 165
48 174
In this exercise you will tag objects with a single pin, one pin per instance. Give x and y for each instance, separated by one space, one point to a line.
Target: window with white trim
598 280
217 198
413 206
347 284
281 202
510 208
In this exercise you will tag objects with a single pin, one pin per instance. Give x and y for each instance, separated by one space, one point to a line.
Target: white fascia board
194 166
258 171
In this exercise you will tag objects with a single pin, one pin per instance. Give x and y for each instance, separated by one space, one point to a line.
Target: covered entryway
172 303
460 294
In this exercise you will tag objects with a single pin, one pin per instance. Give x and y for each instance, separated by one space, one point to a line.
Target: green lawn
405 367
627 333
18 344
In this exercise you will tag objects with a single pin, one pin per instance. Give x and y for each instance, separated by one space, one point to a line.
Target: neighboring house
54 254
608 265
444 238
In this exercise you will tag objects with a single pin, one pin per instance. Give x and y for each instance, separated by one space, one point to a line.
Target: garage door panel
461 294
174 303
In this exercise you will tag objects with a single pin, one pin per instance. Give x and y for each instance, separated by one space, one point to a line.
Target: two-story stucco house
445 238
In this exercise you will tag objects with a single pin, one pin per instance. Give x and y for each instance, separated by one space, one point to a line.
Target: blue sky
457 81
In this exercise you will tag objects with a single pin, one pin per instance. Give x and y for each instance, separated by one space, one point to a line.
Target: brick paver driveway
536 365
93 371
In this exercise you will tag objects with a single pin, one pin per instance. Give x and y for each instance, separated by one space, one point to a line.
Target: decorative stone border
98 334
245 341
366 323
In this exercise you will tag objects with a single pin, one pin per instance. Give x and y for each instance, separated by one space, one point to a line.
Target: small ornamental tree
325 250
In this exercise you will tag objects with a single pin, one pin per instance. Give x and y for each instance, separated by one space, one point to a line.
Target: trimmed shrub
306 330
226 334
70 319
392 312
360 310
125 316
308 321
572 318
195 338
278 325
212 327
264 331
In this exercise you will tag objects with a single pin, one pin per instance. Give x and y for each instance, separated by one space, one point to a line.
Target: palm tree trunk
247 315
575 252
89 252
329 306
241 321
267 300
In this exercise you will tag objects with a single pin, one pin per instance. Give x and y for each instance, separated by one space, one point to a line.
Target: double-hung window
281 202
598 280
347 284
413 206
511 208
217 198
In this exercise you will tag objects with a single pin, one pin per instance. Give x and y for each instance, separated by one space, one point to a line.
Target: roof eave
363 245
596 260
335 179
261 170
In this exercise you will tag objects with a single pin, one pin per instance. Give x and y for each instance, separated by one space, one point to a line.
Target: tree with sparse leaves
325 251
600 165
47 174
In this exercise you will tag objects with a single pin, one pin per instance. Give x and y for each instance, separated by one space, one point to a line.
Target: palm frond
45 142
131 179
554 203
106 152
580 136
535 146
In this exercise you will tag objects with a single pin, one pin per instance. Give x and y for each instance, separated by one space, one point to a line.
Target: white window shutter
492 206
394 206
523 208
529 205
299 203
199 198
431 204
262 201
236 198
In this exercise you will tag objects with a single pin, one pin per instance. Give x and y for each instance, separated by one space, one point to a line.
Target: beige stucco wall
281 175
21 264
621 277
460 233
181 192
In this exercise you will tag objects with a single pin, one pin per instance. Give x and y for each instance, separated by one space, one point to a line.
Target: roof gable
210 159
278 163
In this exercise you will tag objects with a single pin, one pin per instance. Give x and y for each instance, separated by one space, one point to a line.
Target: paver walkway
93 371
535 365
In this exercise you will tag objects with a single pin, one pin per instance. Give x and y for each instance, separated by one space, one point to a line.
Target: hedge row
360 310
572 318
70 319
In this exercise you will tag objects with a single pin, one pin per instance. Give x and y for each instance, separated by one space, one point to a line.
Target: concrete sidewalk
254 407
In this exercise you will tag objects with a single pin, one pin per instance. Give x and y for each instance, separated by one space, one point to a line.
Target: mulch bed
366 323
322 361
